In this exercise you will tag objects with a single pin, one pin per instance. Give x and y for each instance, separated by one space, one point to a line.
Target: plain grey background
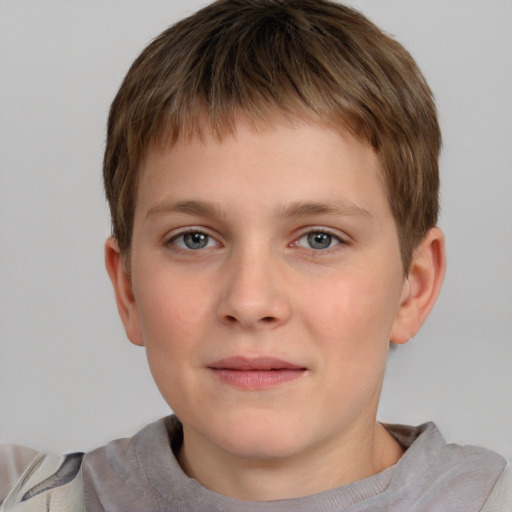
68 378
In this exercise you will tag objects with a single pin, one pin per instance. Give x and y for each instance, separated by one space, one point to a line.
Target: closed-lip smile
255 373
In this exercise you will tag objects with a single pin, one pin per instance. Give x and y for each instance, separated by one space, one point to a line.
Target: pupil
195 240
319 240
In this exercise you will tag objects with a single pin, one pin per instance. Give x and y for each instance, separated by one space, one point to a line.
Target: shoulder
132 473
113 472
500 499
51 482
14 460
445 476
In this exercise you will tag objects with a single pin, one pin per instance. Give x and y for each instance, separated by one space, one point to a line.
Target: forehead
283 163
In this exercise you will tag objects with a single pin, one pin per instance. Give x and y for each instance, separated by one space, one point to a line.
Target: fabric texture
51 483
14 460
142 473
500 499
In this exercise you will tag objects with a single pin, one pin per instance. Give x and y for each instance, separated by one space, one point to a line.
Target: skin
259 287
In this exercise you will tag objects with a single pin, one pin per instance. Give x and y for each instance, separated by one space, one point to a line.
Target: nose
253 294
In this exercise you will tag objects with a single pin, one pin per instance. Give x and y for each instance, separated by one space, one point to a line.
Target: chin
262 447
259 438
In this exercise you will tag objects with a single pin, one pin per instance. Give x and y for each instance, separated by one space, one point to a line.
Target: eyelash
209 238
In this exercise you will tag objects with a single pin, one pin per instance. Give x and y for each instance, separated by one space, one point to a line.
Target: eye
318 240
193 240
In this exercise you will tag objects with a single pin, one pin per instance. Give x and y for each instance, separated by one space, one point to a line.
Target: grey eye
194 241
318 240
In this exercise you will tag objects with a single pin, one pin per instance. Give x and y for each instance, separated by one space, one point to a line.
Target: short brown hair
315 59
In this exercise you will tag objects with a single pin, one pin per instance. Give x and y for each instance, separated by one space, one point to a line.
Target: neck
338 462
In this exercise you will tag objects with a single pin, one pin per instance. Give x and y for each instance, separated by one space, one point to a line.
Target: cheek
172 312
172 322
350 325
352 310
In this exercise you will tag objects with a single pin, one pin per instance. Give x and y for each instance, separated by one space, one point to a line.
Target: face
267 283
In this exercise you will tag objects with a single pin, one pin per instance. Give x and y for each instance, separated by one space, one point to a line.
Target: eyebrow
342 207
296 209
199 208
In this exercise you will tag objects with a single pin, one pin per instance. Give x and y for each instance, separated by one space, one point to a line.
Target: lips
256 373
253 364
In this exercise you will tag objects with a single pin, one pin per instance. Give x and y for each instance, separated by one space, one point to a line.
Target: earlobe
122 283
421 287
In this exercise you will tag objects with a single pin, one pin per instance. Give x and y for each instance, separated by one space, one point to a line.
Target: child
272 173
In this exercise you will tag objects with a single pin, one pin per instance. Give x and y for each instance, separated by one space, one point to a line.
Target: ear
421 287
122 283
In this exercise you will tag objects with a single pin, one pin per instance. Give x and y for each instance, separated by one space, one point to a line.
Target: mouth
257 373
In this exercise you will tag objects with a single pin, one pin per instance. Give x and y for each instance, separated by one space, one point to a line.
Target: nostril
266 319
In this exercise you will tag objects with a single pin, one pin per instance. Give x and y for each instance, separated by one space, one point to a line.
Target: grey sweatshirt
141 474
